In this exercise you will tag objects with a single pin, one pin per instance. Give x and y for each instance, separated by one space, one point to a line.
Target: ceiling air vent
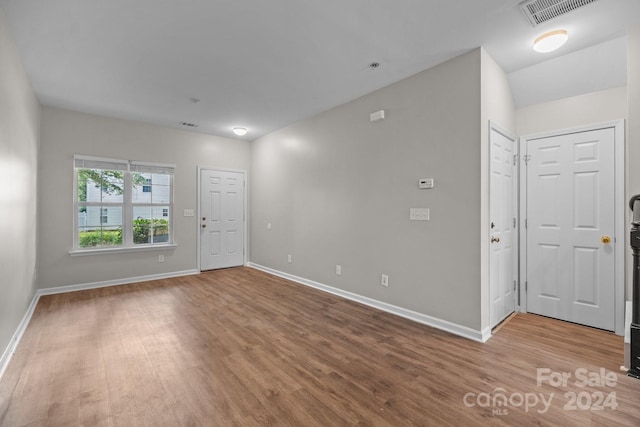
539 11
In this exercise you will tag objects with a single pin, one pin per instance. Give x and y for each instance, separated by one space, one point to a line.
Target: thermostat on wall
425 183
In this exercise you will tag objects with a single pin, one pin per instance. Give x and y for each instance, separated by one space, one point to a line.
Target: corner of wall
632 183
19 156
497 106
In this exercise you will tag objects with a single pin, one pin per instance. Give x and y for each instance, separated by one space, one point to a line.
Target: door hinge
515 159
514 286
514 223
526 286
526 158
525 223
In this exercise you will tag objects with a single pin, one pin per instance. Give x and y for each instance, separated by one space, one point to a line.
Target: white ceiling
265 64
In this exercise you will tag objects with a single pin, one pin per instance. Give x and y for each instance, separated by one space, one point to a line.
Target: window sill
102 251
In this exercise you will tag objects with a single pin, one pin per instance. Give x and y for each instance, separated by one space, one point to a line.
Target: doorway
572 230
503 249
221 218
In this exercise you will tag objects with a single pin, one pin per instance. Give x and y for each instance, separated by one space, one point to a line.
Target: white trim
463 331
502 131
620 207
119 250
115 282
17 336
159 165
22 326
200 168
98 159
522 231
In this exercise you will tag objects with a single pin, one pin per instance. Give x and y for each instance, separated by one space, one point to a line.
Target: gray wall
19 124
633 131
65 133
338 189
602 106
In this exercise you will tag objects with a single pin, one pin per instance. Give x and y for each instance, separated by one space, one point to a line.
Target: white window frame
129 167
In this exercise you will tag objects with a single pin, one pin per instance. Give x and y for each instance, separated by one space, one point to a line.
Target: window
122 204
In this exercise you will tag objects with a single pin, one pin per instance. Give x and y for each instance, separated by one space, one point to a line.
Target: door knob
204 225
605 240
204 218
495 239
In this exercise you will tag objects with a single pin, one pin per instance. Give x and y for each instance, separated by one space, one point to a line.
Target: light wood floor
240 347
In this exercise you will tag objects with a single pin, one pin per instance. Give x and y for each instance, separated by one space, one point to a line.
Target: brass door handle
495 239
605 240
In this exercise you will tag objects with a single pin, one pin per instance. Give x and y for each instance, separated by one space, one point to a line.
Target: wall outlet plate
419 214
384 280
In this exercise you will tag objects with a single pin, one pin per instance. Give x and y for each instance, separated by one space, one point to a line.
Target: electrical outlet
289 258
384 280
338 269
160 258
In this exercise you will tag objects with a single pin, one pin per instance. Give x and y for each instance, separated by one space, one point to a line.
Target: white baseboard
17 336
463 331
22 326
104 284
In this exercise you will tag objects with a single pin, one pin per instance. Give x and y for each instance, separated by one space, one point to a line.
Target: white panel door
221 219
502 255
570 226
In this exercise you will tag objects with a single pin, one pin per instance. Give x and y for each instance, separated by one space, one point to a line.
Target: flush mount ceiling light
548 42
240 131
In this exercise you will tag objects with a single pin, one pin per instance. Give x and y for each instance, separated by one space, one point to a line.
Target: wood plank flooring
239 347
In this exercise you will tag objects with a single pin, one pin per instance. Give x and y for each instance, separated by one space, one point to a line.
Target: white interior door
502 205
570 227
221 219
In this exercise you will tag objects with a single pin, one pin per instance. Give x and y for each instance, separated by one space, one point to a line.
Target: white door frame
619 214
516 238
244 207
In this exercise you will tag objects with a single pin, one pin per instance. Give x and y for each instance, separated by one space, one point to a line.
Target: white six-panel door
221 219
502 213
570 227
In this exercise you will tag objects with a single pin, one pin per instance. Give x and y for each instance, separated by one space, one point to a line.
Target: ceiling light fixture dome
240 131
548 42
